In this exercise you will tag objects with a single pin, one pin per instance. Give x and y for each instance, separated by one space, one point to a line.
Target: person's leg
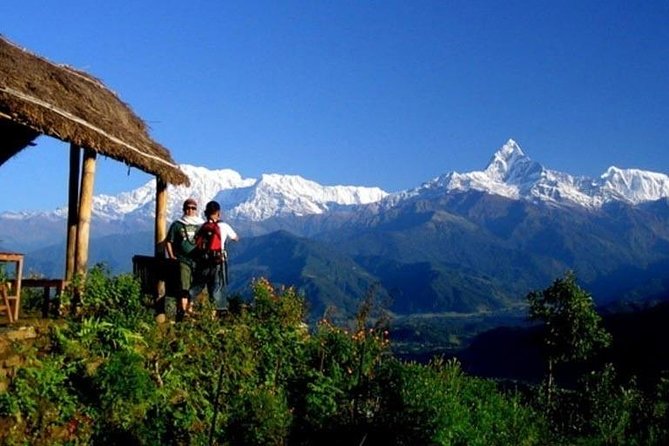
185 276
216 285
198 284
224 273
188 304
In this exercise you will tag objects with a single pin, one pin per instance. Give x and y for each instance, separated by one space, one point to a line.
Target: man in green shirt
179 243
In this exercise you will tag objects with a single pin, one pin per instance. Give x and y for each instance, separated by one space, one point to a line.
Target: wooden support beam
85 211
72 210
161 217
159 243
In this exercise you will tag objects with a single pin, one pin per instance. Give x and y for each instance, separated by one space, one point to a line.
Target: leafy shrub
41 403
610 407
658 415
278 332
615 413
256 375
336 398
438 404
258 416
125 392
117 298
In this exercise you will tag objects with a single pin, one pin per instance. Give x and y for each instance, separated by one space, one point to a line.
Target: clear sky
371 93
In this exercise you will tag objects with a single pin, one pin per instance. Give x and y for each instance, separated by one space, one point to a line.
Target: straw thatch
40 97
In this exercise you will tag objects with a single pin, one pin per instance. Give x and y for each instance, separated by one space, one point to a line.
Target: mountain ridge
435 248
510 173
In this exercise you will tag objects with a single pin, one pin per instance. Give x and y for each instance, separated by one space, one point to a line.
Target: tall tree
572 327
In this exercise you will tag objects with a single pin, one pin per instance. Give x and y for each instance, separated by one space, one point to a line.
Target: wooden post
72 210
159 238
85 211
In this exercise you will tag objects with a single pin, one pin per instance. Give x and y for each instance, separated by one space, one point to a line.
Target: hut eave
40 97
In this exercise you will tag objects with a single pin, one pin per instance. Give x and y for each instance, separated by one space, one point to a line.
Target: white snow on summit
243 198
512 174
276 194
140 203
633 185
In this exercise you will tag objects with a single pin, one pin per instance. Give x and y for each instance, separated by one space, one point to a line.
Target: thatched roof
40 97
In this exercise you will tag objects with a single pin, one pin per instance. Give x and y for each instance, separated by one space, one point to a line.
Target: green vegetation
601 410
572 327
259 376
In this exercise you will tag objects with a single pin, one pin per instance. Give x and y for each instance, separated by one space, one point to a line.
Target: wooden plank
19 277
15 295
5 306
46 284
59 284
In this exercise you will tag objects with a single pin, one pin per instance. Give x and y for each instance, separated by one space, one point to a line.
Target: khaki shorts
185 276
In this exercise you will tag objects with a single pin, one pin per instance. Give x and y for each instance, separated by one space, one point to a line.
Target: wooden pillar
160 234
85 211
72 210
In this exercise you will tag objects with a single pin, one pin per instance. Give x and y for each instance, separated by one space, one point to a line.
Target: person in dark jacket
179 244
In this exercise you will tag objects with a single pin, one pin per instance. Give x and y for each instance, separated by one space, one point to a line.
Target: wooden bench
58 285
150 270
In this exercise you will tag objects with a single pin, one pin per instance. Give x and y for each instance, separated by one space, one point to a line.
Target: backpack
186 243
208 244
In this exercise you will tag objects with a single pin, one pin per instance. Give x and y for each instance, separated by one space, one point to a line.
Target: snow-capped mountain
510 173
274 195
514 175
445 246
241 198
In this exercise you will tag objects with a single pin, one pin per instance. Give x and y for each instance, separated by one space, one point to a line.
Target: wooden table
13 290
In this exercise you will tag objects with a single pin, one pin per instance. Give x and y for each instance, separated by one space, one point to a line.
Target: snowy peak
510 165
140 203
505 161
275 194
343 195
512 174
241 198
633 185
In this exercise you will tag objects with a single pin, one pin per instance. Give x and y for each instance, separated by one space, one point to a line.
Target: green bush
258 416
610 407
41 404
438 404
117 299
125 391
657 422
257 376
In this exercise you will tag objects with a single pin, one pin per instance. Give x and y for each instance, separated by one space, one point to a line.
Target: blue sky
374 93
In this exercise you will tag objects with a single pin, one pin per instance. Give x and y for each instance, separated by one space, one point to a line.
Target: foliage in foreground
257 376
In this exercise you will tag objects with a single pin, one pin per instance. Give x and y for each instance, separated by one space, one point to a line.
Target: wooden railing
58 285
